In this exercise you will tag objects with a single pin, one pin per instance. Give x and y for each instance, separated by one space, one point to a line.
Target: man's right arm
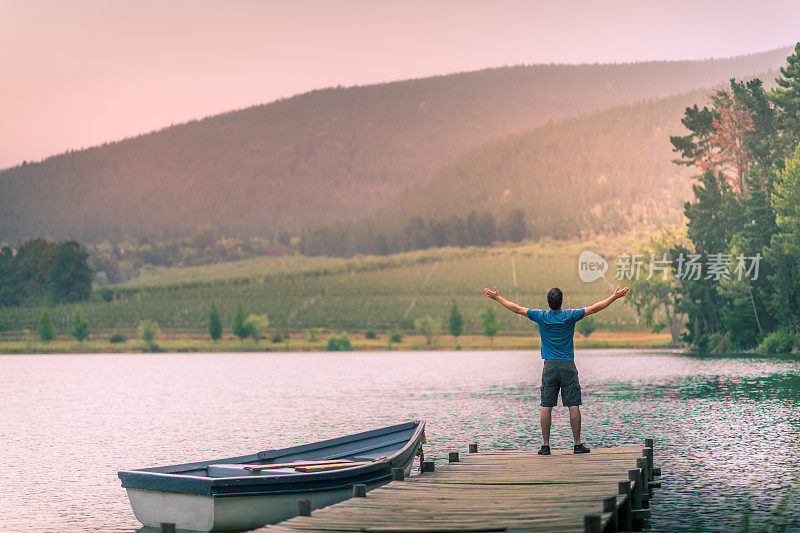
511 306
602 304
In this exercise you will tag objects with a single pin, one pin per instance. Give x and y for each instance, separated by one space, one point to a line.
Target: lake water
727 430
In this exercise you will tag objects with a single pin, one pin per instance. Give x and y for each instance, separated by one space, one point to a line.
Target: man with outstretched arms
556 329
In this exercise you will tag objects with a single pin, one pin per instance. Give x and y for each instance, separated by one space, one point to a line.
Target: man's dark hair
554 298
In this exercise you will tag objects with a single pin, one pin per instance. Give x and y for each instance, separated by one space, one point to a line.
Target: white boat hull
229 495
197 512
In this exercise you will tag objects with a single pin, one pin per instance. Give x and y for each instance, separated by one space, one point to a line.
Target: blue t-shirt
556 328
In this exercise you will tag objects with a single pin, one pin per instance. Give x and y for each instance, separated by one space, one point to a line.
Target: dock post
359 490
624 512
591 523
637 508
610 506
453 457
167 527
648 454
398 474
304 507
642 464
473 448
646 492
428 466
636 487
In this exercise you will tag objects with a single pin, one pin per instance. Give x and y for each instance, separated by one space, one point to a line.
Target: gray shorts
560 374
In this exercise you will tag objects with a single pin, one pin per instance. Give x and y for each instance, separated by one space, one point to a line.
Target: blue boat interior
376 445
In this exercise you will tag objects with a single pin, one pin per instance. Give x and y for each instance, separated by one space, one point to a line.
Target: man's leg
550 387
574 422
546 419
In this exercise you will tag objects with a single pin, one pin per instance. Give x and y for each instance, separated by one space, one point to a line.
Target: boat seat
235 470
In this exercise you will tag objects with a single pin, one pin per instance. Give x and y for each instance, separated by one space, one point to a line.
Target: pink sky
78 73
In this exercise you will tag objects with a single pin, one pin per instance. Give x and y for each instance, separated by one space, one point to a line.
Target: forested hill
600 173
318 157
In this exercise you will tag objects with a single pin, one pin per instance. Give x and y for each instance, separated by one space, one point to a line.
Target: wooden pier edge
518 491
632 511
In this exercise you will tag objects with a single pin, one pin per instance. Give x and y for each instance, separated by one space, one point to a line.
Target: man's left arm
602 304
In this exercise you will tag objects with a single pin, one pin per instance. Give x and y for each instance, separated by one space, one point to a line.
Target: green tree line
746 205
476 228
42 271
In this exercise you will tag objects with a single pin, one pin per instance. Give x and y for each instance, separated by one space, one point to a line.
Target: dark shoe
580 448
544 450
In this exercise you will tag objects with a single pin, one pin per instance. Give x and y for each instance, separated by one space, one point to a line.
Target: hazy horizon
89 72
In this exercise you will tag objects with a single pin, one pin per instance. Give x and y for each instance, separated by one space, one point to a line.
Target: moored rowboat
245 492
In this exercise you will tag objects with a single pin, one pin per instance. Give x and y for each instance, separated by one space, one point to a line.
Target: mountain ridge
320 157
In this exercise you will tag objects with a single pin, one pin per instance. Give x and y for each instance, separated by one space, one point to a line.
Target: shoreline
308 342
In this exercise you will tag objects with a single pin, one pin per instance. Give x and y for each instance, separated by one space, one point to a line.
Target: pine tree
214 322
491 324
239 328
783 252
455 321
786 98
46 330
80 325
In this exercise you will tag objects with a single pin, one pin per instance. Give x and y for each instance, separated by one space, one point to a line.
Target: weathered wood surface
490 491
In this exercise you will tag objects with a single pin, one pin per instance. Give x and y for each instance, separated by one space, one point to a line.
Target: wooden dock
606 490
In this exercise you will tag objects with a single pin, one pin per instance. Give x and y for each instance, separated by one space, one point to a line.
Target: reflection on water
727 429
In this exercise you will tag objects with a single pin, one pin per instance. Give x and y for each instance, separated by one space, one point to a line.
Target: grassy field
247 268
356 294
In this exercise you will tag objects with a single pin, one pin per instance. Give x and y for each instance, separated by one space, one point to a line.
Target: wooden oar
255 468
333 466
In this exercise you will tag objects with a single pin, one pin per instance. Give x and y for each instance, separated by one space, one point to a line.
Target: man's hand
493 294
619 293
602 304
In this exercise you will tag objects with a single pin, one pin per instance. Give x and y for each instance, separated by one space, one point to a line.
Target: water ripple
726 428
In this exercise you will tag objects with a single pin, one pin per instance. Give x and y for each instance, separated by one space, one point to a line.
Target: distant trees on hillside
597 174
473 229
41 271
117 262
